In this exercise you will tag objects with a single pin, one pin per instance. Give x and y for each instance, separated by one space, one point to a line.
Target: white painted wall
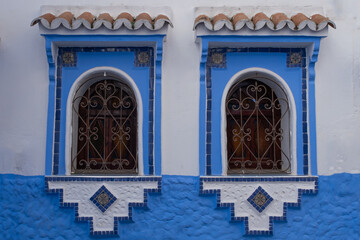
24 85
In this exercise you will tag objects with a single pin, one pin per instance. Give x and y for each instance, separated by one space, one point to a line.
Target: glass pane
254 129
106 129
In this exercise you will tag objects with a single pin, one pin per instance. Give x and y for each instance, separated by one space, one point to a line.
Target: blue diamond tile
103 198
260 199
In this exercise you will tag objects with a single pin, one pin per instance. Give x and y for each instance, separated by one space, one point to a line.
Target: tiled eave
102 20
261 24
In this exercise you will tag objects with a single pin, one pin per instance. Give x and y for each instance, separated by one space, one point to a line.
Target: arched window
257 127
104 127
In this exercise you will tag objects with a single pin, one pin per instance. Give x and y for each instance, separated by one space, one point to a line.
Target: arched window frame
81 82
271 79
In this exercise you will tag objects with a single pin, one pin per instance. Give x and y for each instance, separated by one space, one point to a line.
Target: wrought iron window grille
104 127
257 129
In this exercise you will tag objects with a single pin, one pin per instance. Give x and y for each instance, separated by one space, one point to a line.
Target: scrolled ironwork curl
106 136
255 116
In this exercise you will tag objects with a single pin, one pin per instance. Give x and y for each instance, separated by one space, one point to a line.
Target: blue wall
27 212
275 62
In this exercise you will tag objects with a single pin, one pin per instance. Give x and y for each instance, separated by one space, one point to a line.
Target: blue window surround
210 162
61 77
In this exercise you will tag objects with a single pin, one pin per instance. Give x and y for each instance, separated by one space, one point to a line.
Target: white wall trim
261 72
69 113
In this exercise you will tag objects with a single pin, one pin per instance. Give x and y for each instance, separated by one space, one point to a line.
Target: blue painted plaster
55 163
275 62
179 212
211 163
120 60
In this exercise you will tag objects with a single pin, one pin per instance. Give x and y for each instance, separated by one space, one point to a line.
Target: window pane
254 129
106 131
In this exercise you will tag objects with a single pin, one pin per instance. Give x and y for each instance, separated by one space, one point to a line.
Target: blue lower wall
27 212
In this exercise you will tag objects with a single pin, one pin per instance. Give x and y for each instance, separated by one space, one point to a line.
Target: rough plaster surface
238 193
178 212
24 85
125 193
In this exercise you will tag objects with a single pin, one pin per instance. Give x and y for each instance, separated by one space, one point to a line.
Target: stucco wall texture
179 212
25 81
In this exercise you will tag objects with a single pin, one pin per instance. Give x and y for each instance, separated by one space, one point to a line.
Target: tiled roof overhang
90 21
277 21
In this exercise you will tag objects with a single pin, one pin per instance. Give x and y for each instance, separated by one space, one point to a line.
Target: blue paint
120 60
101 206
312 117
50 116
159 52
262 180
143 75
179 212
275 62
268 200
273 59
202 111
60 193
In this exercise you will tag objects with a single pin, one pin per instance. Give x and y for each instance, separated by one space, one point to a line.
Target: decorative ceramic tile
103 198
67 57
216 58
142 58
103 201
295 58
258 200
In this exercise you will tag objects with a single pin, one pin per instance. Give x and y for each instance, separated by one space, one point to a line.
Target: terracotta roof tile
124 19
86 19
240 19
203 19
299 18
143 19
126 15
259 17
161 20
89 21
220 20
65 19
68 16
87 16
45 20
104 19
260 20
322 21
277 21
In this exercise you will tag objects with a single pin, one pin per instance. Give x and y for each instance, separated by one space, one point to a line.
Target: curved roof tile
240 19
86 19
160 21
280 20
203 19
322 21
277 21
260 20
143 19
92 22
221 20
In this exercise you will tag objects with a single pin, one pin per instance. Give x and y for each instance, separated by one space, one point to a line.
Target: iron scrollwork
255 119
105 130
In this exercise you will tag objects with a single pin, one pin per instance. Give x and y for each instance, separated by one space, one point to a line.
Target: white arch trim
261 72
78 82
